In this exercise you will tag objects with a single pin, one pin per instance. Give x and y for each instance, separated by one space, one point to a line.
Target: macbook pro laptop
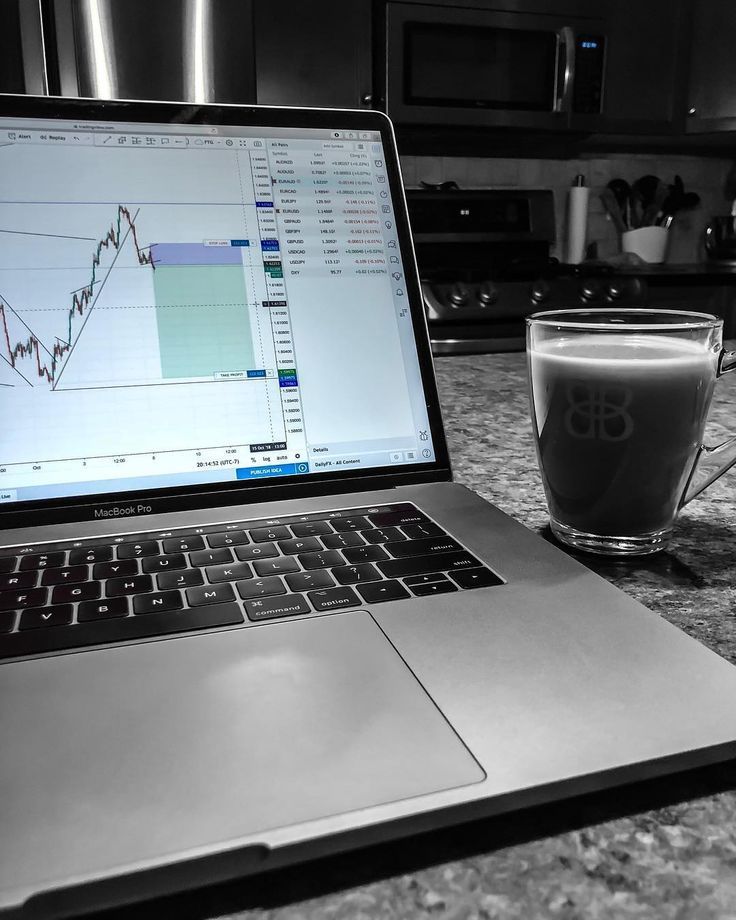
246 616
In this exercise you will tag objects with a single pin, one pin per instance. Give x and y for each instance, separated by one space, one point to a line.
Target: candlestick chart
48 359
106 305
131 295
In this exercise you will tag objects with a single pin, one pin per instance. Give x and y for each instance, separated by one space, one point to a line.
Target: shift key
419 565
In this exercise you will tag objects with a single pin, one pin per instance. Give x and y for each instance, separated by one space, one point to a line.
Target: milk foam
618 351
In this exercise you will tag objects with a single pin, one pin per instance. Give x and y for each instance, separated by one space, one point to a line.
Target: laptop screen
194 305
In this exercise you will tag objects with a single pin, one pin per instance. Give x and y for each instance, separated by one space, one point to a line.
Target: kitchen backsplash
703 175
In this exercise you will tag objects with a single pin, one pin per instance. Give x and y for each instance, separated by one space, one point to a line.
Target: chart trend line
81 300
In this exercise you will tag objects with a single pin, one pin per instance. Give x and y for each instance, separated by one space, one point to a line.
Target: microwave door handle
566 40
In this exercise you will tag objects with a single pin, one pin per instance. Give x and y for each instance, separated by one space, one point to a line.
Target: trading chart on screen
150 283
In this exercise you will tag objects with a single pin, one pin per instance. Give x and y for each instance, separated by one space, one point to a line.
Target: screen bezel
89 507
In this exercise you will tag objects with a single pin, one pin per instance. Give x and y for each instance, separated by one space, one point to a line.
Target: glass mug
619 400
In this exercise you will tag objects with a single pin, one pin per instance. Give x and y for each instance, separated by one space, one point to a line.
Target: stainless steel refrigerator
192 50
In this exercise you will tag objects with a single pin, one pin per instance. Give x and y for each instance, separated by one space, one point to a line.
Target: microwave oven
487 67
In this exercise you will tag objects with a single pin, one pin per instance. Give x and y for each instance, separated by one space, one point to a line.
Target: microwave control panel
589 66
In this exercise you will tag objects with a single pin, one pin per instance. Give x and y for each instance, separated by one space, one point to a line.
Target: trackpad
191 742
345 724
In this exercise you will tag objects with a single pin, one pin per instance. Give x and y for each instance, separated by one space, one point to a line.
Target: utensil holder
649 243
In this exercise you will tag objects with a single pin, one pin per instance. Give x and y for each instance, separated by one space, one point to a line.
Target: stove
484 263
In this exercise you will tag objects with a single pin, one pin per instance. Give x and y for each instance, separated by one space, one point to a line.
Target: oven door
484 68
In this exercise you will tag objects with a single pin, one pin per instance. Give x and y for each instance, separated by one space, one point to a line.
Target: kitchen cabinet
711 96
315 52
21 48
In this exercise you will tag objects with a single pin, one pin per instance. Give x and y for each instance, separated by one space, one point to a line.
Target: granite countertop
660 849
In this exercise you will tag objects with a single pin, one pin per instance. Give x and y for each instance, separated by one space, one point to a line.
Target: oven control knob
487 294
589 290
458 295
540 292
615 291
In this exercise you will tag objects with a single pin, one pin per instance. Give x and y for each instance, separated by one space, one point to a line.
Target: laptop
246 617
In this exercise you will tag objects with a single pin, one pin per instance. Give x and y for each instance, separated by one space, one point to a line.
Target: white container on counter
649 243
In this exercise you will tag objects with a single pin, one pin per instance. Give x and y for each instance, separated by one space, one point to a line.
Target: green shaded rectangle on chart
202 318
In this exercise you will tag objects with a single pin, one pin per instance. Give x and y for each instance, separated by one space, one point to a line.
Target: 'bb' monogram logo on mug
598 413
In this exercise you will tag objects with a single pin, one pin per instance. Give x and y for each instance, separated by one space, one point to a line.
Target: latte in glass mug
619 402
619 423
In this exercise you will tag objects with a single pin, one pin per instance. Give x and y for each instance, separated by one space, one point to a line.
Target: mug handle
712 462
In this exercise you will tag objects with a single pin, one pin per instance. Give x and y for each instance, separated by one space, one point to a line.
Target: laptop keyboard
70 595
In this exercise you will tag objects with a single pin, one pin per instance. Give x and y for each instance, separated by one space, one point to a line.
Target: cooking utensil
649 217
646 188
610 203
677 200
636 209
622 192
